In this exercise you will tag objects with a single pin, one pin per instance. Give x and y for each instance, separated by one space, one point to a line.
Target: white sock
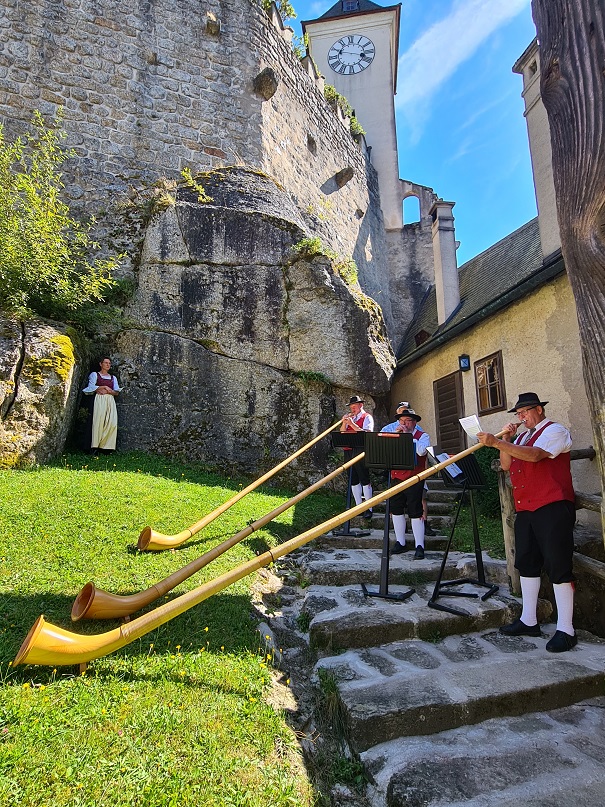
356 491
530 588
564 600
367 492
418 530
399 527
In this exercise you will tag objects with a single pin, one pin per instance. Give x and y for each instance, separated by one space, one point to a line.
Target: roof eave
548 271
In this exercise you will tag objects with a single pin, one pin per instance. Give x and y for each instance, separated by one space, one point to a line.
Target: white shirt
93 387
552 438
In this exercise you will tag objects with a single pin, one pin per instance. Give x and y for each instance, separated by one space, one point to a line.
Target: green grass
178 717
490 533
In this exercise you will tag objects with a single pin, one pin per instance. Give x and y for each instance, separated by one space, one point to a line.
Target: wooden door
449 407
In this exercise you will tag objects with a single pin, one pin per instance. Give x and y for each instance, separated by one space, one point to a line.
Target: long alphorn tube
150 540
53 646
94 603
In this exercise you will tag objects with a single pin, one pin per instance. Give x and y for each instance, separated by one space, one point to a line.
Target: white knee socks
564 600
356 491
418 530
399 527
367 492
530 588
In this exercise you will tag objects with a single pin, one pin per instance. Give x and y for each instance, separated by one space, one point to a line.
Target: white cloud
440 50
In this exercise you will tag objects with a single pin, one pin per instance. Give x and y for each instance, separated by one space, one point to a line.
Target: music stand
390 452
354 441
470 478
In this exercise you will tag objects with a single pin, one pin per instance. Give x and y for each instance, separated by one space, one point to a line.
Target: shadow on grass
223 623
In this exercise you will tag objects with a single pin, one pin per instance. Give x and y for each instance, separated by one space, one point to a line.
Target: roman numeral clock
351 54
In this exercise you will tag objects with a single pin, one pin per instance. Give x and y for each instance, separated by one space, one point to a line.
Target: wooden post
507 509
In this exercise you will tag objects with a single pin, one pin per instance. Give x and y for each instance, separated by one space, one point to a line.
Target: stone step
374 540
343 617
504 762
345 567
414 687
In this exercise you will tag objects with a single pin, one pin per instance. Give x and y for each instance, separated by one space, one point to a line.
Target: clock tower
355 46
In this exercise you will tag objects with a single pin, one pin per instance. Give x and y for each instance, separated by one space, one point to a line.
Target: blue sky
460 119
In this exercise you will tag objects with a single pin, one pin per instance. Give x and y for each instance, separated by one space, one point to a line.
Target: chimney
538 130
447 288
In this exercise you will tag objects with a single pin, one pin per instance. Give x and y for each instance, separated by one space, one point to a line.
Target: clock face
351 54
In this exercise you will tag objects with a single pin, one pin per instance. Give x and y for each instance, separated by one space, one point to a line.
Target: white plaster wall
370 93
540 346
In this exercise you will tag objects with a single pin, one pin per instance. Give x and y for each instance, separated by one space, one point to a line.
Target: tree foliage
45 253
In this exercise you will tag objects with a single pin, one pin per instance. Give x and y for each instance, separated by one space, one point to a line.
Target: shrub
45 264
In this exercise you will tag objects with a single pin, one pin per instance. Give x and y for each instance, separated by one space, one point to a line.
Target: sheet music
471 425
452 469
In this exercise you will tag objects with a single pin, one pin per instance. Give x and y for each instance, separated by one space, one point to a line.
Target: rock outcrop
238 349
39 375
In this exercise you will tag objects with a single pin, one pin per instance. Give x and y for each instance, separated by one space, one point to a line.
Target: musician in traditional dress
411 498
540 471
358 420
105 388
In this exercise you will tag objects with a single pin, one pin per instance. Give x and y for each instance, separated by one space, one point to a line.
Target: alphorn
53 646
150 540
94 603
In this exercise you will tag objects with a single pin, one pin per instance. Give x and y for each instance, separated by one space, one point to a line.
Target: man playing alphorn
539 465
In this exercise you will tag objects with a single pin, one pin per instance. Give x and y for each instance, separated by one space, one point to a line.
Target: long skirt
104 422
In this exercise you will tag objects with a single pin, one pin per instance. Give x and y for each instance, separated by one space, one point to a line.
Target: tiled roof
488 282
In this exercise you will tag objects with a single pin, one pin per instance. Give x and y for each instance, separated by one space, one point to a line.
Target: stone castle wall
152 88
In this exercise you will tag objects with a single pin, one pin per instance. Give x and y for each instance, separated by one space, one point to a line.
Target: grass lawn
179 716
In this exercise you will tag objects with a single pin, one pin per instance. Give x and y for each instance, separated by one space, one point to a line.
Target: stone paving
441 708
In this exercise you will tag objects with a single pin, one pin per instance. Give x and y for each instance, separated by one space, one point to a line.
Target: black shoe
561 642
419 553
518 628
398 548
367 515
428 530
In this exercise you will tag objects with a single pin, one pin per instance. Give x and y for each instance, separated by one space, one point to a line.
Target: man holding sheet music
411 498
539 464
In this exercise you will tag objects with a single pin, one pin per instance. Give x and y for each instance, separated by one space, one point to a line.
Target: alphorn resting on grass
49 645
150 540
94 603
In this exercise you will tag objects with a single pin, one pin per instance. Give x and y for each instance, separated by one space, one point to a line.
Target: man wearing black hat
411 498
358 420
540 472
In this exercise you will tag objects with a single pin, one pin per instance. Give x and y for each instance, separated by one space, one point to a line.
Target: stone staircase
442 709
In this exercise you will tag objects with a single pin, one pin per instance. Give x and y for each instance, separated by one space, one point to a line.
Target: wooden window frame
501 386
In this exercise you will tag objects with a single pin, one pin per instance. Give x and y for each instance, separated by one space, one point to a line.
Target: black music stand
354 441
390 452
470 478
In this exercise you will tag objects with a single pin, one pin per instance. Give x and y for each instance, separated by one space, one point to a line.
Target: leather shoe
419 553
518 628
398 548
367 515
561 642
428 530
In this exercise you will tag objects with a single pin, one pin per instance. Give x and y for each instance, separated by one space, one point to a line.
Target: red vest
358 421
104 382
538 483
420 462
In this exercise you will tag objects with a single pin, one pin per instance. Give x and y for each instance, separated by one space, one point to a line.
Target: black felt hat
527 399
355 399
407 412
